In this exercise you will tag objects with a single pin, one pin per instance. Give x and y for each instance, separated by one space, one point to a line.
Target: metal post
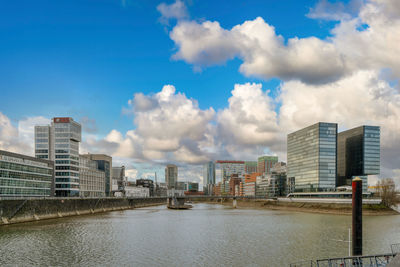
349 242
234 203
357 216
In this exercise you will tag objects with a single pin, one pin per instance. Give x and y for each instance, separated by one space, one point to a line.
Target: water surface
207 235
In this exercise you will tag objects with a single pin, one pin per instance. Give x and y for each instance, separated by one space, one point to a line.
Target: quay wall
35 209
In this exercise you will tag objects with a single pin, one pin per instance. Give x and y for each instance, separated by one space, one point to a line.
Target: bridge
220 197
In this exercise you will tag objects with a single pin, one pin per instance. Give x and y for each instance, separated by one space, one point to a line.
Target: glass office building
208 177
311 157
59 142
358 154
171 175
24 176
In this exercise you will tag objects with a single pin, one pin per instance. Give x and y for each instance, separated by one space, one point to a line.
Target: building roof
230 161
12 154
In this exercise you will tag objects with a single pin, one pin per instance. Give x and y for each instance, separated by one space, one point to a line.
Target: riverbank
324 208
28 210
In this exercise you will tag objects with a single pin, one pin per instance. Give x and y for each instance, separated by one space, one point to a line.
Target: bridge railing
395 248
357 261
379 260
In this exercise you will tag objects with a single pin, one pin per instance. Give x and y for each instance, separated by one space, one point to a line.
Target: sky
185 82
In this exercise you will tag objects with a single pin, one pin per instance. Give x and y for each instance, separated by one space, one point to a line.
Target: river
207 235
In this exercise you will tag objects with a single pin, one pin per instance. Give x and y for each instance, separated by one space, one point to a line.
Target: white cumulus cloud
367 41
176 10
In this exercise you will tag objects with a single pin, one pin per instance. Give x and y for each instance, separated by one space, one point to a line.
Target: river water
207 235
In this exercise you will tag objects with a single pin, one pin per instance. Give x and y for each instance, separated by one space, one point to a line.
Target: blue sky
87 58
250 72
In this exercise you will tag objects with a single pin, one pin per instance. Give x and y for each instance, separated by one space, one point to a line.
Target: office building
250 189
171 175
208 177
250 167
358 154
147 183
262 187
234 185
311 157
59 142
24 176
249 186
136 191
191 187
180 185
217 189
225 169
104 163
273 184
161 189
265 164
91 179
118 179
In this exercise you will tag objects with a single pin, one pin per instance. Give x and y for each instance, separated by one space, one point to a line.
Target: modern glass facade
171 175
229 167
24 176
59 142
358 154
208 176
311 157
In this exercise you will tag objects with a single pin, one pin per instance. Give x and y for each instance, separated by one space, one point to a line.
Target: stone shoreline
30 210
323 208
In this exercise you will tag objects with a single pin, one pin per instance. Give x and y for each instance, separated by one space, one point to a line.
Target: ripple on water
208 235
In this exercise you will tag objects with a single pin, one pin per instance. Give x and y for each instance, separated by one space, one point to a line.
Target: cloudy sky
190 81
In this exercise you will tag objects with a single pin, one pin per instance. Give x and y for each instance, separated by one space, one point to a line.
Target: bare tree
387 191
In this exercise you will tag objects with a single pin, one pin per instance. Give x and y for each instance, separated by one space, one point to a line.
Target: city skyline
187 103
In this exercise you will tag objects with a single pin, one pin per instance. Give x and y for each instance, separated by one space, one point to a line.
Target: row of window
63 162
62 140
67 174
62 151
67 186
42 145
23 183
67 168
24 192
26 176
39 140
67 180
62 146
25 168
62 135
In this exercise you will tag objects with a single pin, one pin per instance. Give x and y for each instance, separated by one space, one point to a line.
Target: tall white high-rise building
59 142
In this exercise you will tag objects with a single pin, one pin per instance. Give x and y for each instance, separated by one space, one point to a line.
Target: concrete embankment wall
26 210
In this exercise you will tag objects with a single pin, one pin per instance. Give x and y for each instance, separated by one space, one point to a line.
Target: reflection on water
207 235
